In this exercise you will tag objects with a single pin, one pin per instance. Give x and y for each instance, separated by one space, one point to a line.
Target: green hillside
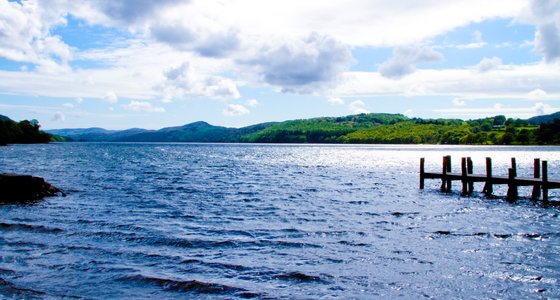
24 132
398 129
321 130
544 119
374 128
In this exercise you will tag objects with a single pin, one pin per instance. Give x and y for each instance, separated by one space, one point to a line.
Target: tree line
398 129
24 132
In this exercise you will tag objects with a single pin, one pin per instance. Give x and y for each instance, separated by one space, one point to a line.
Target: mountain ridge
360 128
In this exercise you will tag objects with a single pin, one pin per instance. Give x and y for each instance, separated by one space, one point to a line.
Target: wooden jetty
540 181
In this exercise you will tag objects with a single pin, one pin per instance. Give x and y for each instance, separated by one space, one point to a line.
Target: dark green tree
499 120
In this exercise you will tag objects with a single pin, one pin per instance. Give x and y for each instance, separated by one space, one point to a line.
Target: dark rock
23 188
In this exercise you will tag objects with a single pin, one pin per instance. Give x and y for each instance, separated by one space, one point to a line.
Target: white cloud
488 64
300 65
404 60
546 15
458 102
252 102
507 82
142 106
408 113
184 81
358 107
234 110
111 97
335 100
499 109
353 22
59 116
289 44
537 94
541 108
200 40
477 41
126 13
25 35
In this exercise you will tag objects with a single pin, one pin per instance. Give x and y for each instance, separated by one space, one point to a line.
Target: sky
158 63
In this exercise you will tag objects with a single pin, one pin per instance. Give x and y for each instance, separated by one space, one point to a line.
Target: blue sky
152 64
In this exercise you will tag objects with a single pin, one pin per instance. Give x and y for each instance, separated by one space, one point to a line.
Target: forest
23 132
398 129
373 128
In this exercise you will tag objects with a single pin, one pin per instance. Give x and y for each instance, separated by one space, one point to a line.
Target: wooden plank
520 181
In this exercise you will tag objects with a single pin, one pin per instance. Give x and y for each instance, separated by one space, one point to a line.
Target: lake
222 221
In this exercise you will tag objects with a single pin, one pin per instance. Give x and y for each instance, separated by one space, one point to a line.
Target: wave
217 265
29 227
194 286
212 244
297 276
9 289
503 236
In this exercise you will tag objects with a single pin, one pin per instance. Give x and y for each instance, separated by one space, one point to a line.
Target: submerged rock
23 188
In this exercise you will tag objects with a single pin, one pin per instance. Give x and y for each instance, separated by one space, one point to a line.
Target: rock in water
22 188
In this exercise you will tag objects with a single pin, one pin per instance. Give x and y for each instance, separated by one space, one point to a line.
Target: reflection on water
272 221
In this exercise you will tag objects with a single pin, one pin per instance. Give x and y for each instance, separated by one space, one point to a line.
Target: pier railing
540 181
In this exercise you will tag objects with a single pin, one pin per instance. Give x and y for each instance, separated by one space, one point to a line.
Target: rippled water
272 221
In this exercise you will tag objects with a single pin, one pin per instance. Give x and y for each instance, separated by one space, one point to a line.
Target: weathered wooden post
545 181
464 175
470 172
443 173
421 173
448 171
536 174
488 188
512 186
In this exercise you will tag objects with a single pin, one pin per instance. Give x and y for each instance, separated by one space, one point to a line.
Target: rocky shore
16 188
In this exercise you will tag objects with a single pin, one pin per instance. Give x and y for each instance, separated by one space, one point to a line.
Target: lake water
211 221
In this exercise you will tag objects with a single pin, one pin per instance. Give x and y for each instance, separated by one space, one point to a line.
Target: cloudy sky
157 63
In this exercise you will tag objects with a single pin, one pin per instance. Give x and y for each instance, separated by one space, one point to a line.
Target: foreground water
272 221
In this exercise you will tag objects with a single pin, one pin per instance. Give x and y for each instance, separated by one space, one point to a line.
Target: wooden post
446 169
464 175
421 173
536 174
488 188
443 173
448 189
470 172
512 187
545 181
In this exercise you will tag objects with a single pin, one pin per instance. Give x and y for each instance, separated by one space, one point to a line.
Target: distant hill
194 132
4 118
544 119
373 128
95 134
